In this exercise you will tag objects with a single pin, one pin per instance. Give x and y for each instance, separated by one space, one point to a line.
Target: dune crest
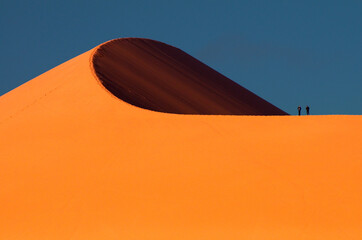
156 76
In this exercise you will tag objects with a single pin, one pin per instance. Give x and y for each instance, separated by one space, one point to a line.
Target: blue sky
288 52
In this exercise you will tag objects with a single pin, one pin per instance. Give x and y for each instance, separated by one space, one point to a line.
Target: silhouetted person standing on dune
299 109
307 108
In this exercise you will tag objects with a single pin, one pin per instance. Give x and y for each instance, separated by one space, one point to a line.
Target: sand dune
77 162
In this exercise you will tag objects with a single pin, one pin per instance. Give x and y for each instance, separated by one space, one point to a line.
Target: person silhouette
307 109
299 109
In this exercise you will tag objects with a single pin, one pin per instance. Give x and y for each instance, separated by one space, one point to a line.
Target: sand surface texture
76 162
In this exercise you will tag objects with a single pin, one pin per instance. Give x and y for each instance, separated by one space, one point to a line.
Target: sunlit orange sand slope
76 162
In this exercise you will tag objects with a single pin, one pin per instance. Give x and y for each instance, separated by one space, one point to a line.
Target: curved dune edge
156 76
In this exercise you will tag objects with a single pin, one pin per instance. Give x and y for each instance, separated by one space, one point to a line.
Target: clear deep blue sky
288 52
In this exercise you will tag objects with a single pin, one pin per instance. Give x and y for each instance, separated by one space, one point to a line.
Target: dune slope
76 162
159 77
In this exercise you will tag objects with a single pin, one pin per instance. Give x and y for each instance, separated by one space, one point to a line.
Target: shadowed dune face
155 76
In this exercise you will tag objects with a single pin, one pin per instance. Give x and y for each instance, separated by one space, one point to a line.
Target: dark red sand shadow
156 76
